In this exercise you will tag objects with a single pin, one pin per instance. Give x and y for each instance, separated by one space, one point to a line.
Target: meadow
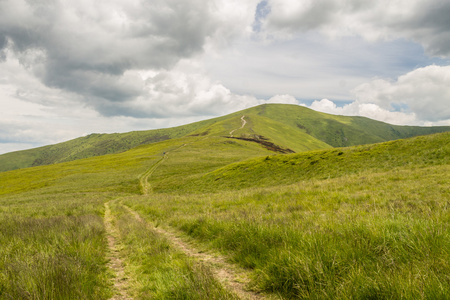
365 222
367 236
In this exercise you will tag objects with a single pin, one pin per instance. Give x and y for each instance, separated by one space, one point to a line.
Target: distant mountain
280 128
90 146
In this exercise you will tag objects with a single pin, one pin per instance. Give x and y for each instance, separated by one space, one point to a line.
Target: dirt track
231 277
242 126
115 262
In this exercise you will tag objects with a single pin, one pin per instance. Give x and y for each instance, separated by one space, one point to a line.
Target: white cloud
69 68
285 99
424 92
369 110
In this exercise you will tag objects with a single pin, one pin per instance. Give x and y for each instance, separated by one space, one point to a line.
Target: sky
71 68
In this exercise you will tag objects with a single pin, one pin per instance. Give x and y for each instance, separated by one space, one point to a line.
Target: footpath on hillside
242 126
229 276
143 178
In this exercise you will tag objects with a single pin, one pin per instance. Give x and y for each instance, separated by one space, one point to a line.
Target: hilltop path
243 124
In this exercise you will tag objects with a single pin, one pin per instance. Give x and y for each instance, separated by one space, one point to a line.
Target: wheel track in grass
143 179
229 276
115 263
144 185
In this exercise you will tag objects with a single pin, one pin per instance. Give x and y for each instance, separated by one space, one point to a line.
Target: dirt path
242 126
115 262
228 275
143 179
231 277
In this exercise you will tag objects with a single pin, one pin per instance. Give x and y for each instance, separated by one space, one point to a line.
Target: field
209 217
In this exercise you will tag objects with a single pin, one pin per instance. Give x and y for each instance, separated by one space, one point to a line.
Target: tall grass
52 239
52 258
365 222
368 236
158 270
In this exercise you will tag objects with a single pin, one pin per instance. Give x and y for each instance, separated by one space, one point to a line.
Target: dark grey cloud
88 49
431 27
423 21
3 43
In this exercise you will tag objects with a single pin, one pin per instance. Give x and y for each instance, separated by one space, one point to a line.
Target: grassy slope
355 222
287 169
341 131
288 126
92 145
366 222
259 126
62 204
368 236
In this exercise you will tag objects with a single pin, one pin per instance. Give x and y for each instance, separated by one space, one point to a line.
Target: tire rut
229 276
143 179
115 262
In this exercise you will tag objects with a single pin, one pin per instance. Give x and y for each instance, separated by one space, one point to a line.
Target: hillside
342 131
90 146
417 152
214 215
280 127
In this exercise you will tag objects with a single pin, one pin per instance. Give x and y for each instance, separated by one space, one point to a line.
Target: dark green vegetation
363 222
288 127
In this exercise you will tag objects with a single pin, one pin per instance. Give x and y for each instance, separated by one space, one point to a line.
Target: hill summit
280 128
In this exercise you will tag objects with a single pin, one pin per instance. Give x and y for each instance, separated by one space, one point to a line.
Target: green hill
280 128
417 152
341 131
90 146
360 222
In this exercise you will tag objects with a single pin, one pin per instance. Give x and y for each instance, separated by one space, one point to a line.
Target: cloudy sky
70 68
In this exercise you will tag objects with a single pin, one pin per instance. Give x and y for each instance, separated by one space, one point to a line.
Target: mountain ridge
283 128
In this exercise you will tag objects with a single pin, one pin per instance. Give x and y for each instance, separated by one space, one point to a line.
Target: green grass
373 235
92 145
341 131
59 250
366 222
285 169
60 257
52 237
159 271
288 126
